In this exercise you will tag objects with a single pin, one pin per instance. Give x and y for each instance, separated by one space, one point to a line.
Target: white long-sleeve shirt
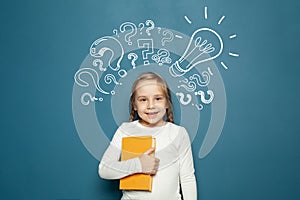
176 166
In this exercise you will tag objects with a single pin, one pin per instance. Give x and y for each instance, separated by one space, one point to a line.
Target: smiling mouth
152 113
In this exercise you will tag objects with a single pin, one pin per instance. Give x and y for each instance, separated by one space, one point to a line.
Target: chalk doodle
202 96
184 99
187 62
107 45
131 33
141 26
189 86
162 57
168 37
133 57
147 45
93 76
197 51
150 26
86 98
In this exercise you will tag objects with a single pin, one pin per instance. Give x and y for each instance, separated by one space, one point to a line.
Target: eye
159 98
142 99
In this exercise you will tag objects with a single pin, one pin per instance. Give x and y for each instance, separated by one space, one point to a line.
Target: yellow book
133 147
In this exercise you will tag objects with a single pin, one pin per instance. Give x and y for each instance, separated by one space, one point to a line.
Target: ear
167 105
134 107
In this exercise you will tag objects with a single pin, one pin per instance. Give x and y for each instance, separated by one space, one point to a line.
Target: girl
172 167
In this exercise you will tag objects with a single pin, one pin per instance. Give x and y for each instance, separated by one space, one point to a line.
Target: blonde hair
165 90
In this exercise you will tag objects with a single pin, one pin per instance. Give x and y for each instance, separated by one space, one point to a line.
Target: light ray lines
219 22
221 19
233 54
223 64
232 36
187 19
205 12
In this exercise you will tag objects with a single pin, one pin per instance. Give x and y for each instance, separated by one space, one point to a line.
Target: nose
150 104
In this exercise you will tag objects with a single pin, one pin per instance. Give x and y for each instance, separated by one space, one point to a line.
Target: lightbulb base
176 70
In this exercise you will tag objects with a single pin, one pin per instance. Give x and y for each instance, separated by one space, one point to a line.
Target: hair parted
165 90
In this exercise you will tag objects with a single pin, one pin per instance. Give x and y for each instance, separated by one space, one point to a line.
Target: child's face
150 103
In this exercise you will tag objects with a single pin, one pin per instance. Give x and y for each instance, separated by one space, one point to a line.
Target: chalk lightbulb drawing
199 50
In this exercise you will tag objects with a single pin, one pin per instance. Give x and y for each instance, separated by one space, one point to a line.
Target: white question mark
181 98
151 24
101 53
167 39
164 56
148 44
109 78
159 30
115 31
190 87
133 57
99 63
94 76
104 44
83 101
199 79
129 35
90 98
141 25
202 96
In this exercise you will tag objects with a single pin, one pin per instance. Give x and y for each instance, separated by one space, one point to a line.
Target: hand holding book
142 147
148 162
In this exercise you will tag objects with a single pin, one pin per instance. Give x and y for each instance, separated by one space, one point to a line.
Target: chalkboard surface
253 152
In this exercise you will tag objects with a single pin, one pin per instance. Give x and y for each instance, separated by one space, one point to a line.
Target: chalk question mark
159 29
107 44
148 45
109 78
182 98
202 96
141 26
133 57
133 31
115 31
92 74
90 98
162 56
151 24
202 80
190 86
169 38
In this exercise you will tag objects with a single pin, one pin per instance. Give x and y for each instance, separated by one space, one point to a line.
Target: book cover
133 147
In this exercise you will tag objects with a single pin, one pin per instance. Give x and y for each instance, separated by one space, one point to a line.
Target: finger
149 151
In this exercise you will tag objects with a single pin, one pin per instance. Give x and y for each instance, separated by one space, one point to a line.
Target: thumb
149 151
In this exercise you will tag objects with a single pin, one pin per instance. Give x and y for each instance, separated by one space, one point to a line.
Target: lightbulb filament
197 41
199 46
203 49
203 43
208 48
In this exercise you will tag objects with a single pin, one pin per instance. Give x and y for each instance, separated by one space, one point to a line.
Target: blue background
43 44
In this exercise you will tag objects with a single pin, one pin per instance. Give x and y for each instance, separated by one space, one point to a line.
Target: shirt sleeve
111 167
187 176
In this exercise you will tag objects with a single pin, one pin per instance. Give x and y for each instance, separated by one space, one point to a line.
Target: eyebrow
156 95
